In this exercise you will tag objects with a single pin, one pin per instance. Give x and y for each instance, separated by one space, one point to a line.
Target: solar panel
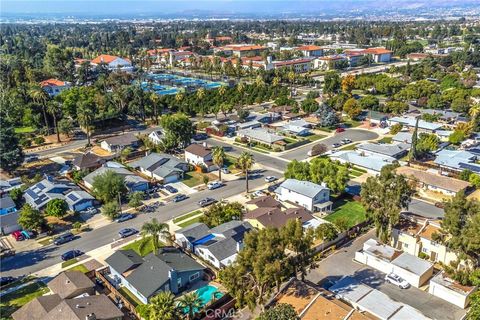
32 194
72 197
40 186
472 167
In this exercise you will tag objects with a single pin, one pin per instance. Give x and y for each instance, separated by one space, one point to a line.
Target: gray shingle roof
129 176
38 308
68 282
123 260
260 135
6 202
194 231
122 140
87 160
306 188
160 164
392 150
8 220
221 248
79 308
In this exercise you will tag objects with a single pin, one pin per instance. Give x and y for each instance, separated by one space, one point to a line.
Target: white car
214 185
397 280
270 179
259 193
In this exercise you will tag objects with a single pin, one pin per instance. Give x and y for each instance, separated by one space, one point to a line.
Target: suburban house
161 166
169 270
218 246
132 181
113 63
87 161
39 194
118 143
54 86
6 205
72 297
457 160
274 217
393 150
310 51
10 184
156 136
262 136
311 196
410 122
9 223
386 259
443 287
379 54
200 155
415 236
428 181
371 162
403 137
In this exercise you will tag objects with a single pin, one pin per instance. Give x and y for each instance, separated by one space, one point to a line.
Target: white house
310 51
54 86
156 136
113 62
118 143
311 196
379 54
451 291
162 167
200 155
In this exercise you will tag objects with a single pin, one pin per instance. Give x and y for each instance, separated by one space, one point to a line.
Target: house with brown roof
201 156
71 284
425 180
263 202
87 161
38 308
98 307
118 143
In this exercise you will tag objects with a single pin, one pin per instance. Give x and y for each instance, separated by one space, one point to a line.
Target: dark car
179 197
127 232
200 136
336 145
71 254
6 280
338 130
64 238
206 202
170 189
125 217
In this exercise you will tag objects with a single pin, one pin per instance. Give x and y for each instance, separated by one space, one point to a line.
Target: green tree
412 155
30 218
17 196
396 128
108 186
65 126
11 155
245 162
298 170
151 232
332 83
190 302
427 142
163 307
218 157
333 173
56 208
309 105
281 311
111 209
136 199
474 311
474 179
178 131
326 232
456 137
351 108
384 197
220 213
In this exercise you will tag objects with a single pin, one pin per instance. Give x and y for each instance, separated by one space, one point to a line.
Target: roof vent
77 306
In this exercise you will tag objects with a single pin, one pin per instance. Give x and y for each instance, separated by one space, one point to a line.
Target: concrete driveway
341 264
356 135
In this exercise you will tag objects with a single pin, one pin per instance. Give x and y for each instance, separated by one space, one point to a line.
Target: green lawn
189 222
386 140
16 299
186 216
289 140
354 173
69 262
352 210
193 179
129 295
352 123
24 130
315 137
80 268
18 282
351 146
135 246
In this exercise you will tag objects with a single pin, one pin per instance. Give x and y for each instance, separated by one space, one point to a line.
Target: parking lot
341 264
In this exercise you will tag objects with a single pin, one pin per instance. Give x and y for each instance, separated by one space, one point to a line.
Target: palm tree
245 163
200 95
276 81
218 157
54 108
474 112
190 302
163 307
152 231
85 117
40 97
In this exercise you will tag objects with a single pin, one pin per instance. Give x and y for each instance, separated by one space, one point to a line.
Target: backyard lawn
16 299
130 297
352 210
135 246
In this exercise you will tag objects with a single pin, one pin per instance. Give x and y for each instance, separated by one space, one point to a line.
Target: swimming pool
206 294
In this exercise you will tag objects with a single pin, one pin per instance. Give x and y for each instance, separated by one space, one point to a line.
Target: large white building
113 62
309 195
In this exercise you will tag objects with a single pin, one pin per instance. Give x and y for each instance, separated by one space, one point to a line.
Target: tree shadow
25 259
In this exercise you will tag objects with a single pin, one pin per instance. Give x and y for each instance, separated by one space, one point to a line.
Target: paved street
355 135
341 264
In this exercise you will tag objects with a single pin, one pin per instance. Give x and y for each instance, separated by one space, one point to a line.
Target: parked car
127 232
64 238
4 252
336 145
200 136
6 280
214 185
338 130
259 193
90 210
206 202
170 189
225 170
440 205
179 197
271 188
346 141
270 179
125 217
397 280
71 254
30 158
18 236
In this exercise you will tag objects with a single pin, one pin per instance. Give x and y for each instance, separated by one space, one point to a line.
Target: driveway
341 264
356 135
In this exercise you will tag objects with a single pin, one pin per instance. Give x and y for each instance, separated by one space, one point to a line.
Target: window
425 250
404 245
179 282
194 276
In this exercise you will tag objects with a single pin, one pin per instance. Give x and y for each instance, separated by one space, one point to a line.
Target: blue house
7 205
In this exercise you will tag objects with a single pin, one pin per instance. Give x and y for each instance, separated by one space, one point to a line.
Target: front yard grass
192 179
190 221
187 216
352 123
135 246
129 296
69 262
80 268
24 129
352 210
315 137
385 140
15 300
351 146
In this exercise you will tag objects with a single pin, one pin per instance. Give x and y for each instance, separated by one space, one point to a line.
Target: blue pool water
206 294
165 84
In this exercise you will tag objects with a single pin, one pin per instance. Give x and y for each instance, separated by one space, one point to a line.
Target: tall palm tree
40 97
245 163
54 108
474 112
190 302
163 307
85 117
152 231
218 157
200 95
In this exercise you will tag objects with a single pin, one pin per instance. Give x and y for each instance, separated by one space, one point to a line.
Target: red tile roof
106 58
52 83
309 48
240 47
291 62
377 51
161 51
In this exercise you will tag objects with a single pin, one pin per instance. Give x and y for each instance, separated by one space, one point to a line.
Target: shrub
39 140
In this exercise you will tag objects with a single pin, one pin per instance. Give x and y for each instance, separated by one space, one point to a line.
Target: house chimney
91 316
204 144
